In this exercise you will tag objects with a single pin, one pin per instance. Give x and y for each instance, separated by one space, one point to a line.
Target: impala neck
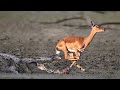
90 37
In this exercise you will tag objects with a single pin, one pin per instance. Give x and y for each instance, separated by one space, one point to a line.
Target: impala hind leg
78 66
77 54
66 70
75 63
65 53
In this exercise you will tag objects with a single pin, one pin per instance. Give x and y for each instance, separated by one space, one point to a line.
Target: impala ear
92 24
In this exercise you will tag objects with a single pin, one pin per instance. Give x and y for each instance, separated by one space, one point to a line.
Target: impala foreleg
65 53
82 50
78 66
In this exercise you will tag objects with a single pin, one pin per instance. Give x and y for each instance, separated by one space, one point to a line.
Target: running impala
76 44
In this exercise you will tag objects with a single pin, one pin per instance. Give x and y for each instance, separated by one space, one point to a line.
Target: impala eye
97 26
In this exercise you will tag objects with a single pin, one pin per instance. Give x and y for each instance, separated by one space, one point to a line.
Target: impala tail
57 54
57 51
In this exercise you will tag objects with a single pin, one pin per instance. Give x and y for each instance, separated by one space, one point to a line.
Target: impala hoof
82 69
76 58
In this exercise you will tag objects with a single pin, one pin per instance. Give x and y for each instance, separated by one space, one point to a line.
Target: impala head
97 28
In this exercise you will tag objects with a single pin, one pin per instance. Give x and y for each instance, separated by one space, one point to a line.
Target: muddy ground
34 34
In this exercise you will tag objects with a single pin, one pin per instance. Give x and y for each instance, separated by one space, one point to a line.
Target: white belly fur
73 50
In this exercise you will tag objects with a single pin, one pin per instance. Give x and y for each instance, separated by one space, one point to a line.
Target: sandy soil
35 34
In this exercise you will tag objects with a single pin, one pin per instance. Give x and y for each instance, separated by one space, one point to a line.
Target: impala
71 45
